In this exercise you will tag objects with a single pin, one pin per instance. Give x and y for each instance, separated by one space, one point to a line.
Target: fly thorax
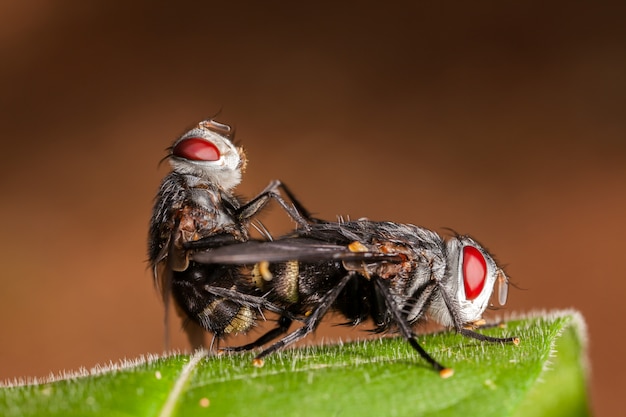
429 268
207 214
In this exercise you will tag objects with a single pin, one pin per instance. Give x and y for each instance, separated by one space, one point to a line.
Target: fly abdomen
223 317
281 280
215 313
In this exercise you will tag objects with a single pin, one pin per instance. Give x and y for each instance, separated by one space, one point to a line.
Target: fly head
206 151
470 278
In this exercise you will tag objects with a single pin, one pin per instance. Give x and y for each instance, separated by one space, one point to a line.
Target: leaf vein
177 389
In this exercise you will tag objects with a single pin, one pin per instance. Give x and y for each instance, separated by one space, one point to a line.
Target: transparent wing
288 249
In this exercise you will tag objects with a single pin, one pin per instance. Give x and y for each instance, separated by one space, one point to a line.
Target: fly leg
296 203
484 325
296 211
458 325
406 331
420 300
483 337
310 323
213 241
283 325
248 300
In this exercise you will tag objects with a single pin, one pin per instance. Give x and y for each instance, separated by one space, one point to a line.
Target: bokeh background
503 121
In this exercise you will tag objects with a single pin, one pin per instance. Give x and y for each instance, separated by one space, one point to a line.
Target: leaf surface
543 375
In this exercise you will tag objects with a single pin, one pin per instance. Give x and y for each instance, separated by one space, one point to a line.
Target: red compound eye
474 272
196 149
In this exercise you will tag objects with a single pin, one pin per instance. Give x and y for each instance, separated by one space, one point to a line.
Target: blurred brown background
506 122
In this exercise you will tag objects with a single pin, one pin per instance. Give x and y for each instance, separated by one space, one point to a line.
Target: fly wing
288 249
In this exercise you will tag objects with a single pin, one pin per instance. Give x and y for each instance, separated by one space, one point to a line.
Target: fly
195 203
395 274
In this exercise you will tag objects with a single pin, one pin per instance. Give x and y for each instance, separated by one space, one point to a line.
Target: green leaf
544 375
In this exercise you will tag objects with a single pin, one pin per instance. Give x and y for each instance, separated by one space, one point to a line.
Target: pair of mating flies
222 280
